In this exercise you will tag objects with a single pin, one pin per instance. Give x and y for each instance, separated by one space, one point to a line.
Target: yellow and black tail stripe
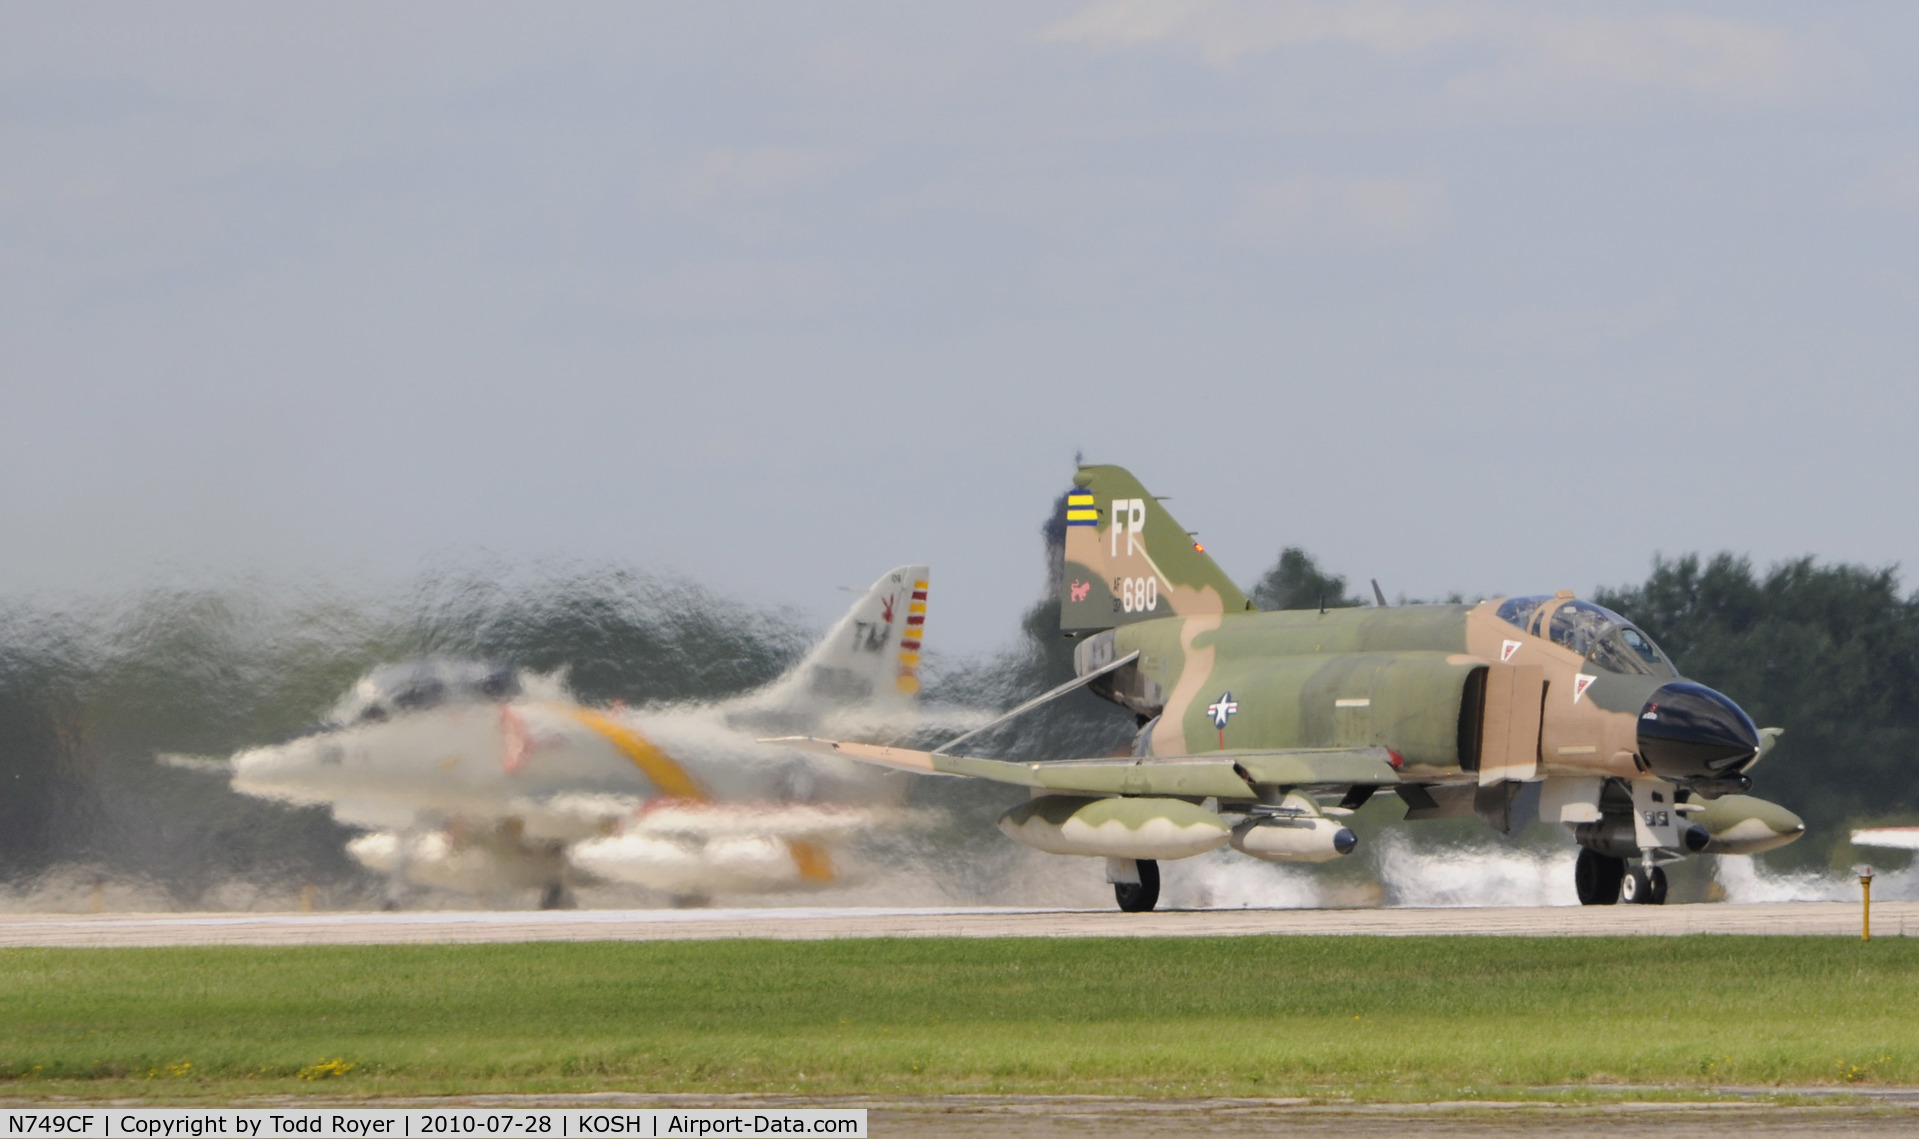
1080 510
909 681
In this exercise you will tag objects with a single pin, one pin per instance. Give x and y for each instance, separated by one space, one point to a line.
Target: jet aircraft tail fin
1127 559
871 657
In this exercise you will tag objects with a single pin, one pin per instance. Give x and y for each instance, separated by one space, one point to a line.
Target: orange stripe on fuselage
672 780
660 768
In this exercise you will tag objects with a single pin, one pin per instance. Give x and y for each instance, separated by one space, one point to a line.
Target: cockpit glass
1603 637
418 685
1606 639
1637 642
1518 611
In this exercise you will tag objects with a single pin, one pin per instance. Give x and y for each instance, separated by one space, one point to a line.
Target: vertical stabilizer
1127 559
872 656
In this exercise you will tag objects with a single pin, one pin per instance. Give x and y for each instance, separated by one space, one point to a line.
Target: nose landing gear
1645 885
1603 879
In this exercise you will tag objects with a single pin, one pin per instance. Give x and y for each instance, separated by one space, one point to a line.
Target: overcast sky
1471 297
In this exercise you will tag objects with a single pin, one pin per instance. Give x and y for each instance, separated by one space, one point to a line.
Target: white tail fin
871 658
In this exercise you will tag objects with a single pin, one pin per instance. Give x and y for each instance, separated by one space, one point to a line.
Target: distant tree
1296 582
1830 653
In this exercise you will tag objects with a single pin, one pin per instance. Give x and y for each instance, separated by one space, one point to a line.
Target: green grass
1378 1017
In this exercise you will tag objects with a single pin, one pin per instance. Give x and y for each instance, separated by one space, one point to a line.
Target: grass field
1380 1018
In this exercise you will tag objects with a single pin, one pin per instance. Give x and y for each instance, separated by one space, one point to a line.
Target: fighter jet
480 778
1260 730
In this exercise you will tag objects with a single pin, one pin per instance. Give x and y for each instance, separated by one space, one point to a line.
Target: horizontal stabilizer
1221 774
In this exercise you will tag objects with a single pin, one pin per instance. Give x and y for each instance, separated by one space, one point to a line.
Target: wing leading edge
1222 774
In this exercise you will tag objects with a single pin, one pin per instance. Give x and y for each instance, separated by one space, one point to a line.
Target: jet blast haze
481 779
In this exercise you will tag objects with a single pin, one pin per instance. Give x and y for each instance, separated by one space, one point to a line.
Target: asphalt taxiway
1803 919
1848 1110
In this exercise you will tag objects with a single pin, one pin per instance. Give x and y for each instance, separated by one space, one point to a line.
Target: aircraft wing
1220 774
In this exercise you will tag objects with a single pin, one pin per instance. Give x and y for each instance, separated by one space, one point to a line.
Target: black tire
1597 877
555 897
1644 887
1656 895
1140 898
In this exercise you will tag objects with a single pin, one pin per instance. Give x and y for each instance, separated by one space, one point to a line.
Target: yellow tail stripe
659 768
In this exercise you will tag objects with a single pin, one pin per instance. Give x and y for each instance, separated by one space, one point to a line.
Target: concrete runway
1725 1112
1799 919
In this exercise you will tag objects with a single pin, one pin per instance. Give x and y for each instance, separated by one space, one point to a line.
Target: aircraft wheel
1141 897
555 897
1658 895
1644 887
1597 877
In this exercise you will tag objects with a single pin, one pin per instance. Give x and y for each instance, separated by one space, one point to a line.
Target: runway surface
1799 919
1880 1111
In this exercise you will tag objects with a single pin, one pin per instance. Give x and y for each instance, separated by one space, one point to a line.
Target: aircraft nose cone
275 771
1688 731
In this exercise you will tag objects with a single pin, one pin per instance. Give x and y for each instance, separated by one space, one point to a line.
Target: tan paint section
1509 737
903 758
1169 734
1612 736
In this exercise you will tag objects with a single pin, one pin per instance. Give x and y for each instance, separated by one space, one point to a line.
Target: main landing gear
1141 896
1596 876
1602 879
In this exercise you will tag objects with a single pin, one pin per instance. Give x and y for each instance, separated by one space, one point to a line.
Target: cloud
1223 32
1500 51
727 173
726 288
1366 211
1892 187
1532 330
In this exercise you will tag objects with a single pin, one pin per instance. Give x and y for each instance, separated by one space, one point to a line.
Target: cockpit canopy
1595 632
395 688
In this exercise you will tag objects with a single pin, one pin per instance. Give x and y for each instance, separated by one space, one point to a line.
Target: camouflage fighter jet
1260 729
482 779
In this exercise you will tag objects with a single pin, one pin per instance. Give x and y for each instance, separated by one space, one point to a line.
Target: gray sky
1466 296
